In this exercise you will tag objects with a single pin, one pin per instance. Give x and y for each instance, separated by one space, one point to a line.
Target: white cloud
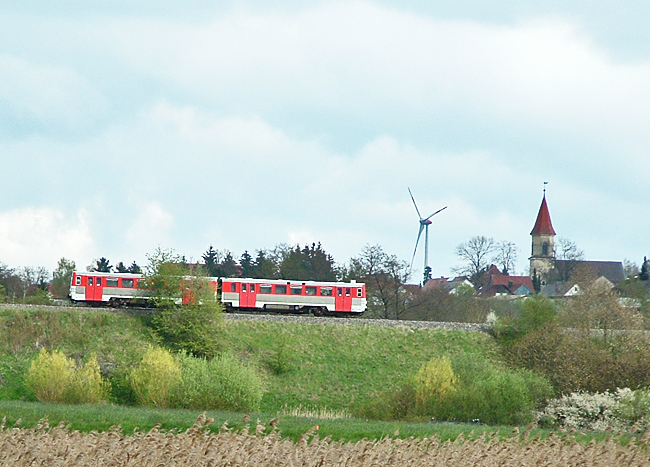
149 229
41 236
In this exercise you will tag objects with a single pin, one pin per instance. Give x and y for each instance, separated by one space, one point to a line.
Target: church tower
543 253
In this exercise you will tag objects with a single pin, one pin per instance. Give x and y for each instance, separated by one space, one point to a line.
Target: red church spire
543 225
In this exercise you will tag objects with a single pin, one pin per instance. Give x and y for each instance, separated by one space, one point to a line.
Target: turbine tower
424 225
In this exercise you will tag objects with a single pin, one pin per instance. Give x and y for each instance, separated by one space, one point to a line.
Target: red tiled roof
512 282
543 225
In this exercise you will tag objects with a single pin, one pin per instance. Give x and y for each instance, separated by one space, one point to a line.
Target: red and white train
289 296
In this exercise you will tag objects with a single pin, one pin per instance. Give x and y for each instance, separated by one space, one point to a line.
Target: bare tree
567 256
385 276
475 253
506 256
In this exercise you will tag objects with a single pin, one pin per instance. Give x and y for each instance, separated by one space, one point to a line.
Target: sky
127 126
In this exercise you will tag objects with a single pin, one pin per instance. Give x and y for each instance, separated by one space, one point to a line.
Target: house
451 285
499 284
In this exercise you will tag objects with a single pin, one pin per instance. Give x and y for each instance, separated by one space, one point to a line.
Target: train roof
289 281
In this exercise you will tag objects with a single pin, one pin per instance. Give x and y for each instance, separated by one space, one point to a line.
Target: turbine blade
416 244
416 206
435 213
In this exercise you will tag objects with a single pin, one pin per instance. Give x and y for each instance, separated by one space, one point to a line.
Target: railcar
319 298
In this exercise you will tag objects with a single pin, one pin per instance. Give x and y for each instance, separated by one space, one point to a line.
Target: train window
310 290
296 290
78 280
358 292
339 292
111 282
265 289
281 289
243 287
347 292
326 291
127 282
233 287
252 287
90 281
99 281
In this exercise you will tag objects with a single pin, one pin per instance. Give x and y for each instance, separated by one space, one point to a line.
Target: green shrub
279 361
87 385
50 376
222 383
464 389
155 378
434 382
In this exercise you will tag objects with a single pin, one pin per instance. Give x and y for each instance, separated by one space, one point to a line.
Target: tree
264 266
228 267
385 276
311 263
246 263
644 274
211 261
62 277
505 256
568 254
194 327
102 265
474 253
133 269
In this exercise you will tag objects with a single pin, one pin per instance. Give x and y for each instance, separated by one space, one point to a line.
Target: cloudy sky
125 126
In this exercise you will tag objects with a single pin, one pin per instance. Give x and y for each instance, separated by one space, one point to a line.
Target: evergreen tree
134 268
264 267
644 275
121 268
102 265
211 261
310 263
246 263
228 267
61 278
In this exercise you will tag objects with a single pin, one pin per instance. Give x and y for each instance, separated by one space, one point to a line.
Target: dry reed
58 446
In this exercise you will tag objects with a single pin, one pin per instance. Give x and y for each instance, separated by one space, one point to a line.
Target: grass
334 366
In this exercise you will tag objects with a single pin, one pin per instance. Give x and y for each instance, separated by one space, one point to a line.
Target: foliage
532 314
194 327
155 378
434 382
482 391
132 269
385 276
222 383
52 377
599 411
102 265
279 361
62 277
438 304
310 263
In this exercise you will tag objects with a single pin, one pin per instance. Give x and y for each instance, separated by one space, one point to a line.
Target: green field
321 371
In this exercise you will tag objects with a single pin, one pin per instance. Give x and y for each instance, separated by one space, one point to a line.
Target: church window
545 248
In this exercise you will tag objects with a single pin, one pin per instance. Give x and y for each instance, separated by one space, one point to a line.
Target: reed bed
58 446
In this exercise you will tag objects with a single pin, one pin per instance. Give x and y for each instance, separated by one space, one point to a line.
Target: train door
343 301
247 295
94 288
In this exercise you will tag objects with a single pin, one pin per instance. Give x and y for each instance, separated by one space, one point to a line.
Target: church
554 276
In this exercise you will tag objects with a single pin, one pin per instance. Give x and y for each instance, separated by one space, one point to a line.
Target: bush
434 382
479 390
155 378
222 383
52 377
583 411
87 385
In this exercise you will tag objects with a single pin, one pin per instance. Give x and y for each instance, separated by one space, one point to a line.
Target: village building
556 277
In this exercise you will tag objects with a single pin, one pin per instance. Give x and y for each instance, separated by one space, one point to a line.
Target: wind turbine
424 225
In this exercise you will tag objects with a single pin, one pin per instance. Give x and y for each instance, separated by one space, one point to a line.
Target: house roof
611 270
505 284
543 225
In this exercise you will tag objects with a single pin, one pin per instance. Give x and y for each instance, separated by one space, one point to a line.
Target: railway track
291 318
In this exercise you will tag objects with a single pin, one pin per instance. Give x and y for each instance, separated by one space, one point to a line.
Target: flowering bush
622 409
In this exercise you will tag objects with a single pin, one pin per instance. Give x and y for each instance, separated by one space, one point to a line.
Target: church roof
543 225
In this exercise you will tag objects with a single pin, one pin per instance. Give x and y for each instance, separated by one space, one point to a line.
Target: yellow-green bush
434 382
87 385
52 377
155 378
